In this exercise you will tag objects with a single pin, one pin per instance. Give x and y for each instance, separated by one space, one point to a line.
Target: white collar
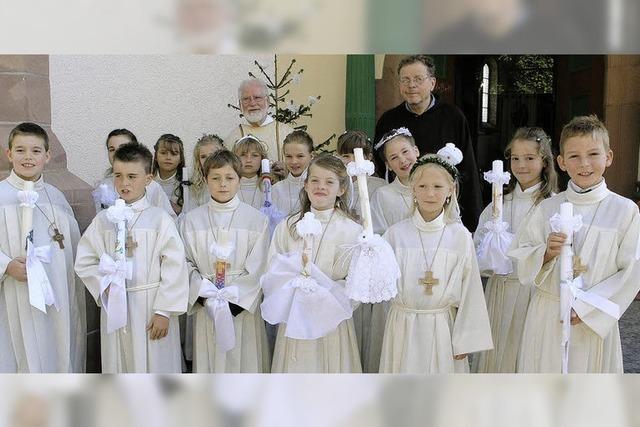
229 206
15 181
249 182
401 188
166 181
422 225
526 194
298 179
323 216
267 120
589 196
140 204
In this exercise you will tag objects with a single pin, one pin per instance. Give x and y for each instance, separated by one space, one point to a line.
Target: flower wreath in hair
253 138
392 134
447 157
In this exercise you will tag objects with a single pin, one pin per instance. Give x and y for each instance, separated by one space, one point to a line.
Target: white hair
249 82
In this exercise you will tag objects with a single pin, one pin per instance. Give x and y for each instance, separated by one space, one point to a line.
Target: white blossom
313 100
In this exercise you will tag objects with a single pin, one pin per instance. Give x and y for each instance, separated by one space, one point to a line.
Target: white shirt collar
422 225
229 206
589 196
15 181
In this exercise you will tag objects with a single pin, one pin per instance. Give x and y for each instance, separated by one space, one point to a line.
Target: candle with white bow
496 190
27 215
363 191
268 208
121 232
185 188
221 262
566 252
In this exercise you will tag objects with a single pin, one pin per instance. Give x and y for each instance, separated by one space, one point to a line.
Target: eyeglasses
249 99
418 80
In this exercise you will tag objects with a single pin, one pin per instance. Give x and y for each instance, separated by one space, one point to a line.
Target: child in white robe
439 315
367 318
105 194
392 203
251 152
156 293
298 152
32 340
246 231
168 161
607 243
205 146
324 188
533 179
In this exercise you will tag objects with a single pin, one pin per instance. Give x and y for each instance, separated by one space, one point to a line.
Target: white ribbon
306 284
450 153
27 199
118 213
104 195
492 250
558 224
364 168
221 252
400 131
115 304
40 291
501 178
570 292
218 310
309 225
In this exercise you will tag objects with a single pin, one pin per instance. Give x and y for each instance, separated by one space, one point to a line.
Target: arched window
484 90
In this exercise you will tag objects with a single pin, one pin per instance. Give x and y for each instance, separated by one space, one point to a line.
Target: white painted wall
149 95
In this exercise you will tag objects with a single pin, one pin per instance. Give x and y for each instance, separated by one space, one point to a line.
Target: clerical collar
140 204
323 216
298 179
267 120
588 196
431 104
422 225
249 182
526 194
229 206
400 187
15 181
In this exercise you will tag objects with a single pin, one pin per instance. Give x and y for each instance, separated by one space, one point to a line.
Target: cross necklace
578 267
131 244
429 281
57 237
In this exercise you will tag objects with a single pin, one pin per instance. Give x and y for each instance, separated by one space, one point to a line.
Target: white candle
27 219
496 189
223 237
566 252
121 232
265 166
363 190
185 189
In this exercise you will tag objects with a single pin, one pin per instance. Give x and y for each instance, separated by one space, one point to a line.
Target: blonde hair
332 164
451 208
247 143
548 176
585 125
198 178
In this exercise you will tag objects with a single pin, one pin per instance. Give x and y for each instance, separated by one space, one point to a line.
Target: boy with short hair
607 250
50 338
148 337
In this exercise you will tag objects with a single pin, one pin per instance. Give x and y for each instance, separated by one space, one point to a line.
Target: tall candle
121 232
266 181
496 189
265 166
185 189
361 179
221 264
27 220
566 252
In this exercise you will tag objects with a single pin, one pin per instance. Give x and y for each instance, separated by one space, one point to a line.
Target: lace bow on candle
27 198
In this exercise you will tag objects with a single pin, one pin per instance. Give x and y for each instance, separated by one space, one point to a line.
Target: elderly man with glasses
434 123
253 100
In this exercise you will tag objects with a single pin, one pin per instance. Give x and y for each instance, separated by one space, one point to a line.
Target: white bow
570 291
364 168
222 252
40 290
115 304
501 178
558 224
309 225
450 153
120 212
218 310
104 195
27 199
492 250
306 284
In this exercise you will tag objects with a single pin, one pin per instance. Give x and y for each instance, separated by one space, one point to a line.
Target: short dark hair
426 60
28 128
220 159
354 139
134 152
118 132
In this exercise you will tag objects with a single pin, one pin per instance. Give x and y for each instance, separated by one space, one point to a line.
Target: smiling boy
32 340
607 246
158 289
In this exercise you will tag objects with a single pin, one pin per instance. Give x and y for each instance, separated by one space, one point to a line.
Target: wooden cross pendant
58 237
428 282
578 268
130 245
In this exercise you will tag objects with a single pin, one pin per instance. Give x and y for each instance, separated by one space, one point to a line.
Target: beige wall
323 75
